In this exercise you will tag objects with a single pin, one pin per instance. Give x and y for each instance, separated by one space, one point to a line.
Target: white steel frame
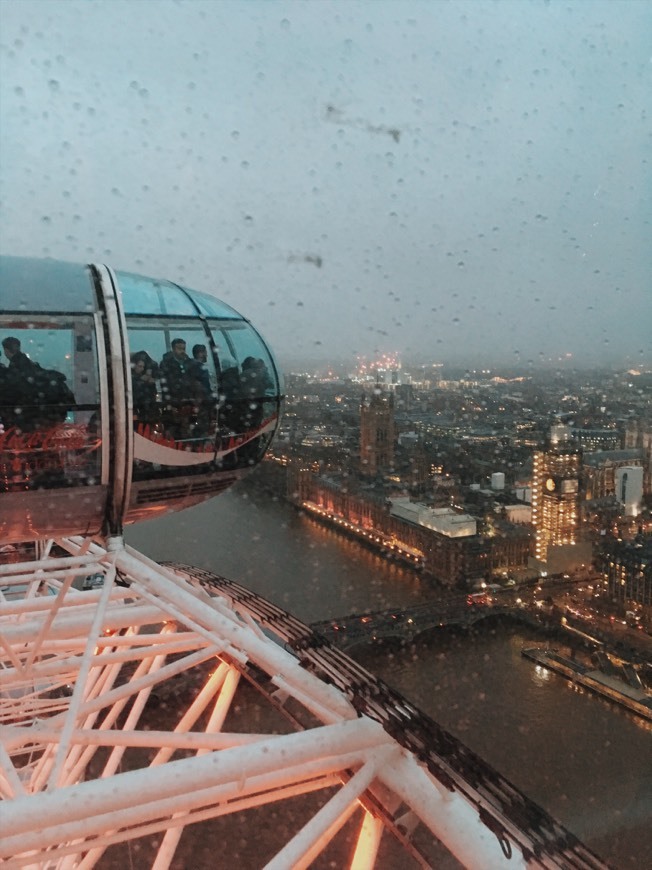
77 670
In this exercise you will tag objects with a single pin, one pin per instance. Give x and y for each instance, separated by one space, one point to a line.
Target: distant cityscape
479 477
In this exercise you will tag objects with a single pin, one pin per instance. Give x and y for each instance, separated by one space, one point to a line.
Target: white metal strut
117 706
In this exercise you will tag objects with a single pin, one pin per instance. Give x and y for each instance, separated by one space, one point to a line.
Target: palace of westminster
480 478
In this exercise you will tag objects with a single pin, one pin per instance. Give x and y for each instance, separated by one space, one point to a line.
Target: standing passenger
143 387
9 400
19 362
42 396
176 376
200 369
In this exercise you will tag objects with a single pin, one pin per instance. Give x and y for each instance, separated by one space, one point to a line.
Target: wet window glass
174 394
436 213
209 306
203 397
50 430
239 344
44 285
146 296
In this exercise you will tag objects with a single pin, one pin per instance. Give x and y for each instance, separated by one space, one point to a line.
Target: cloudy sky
463 181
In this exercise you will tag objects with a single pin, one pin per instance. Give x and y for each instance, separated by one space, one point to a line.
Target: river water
584 760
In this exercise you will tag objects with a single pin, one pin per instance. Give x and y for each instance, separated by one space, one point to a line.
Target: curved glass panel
29 285
202 401
148 296
174 396
141 295
210 306
249 392
239 343
49 403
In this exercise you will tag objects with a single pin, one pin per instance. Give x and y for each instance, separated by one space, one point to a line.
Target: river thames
587 762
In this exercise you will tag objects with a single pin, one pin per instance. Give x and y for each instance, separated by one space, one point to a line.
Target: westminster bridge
408 623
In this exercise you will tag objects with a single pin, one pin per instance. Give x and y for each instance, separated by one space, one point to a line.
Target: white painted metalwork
88 762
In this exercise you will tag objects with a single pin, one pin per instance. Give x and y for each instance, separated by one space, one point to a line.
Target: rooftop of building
599 457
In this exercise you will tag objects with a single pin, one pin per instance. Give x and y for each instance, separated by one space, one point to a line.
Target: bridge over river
408 623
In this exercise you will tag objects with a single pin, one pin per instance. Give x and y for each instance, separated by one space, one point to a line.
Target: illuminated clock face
550 484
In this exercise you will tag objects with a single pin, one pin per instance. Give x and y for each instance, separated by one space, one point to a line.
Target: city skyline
462 182
421 364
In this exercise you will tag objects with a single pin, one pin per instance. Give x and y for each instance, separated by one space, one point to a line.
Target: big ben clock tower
555 494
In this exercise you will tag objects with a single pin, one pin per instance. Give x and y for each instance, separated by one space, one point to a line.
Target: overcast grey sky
462 181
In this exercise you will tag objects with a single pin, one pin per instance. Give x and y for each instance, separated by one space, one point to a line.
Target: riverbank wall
635 700
455 562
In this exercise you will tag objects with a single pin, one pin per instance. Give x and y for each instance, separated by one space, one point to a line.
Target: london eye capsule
121 398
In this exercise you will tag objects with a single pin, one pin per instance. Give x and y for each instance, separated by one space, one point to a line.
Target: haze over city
459 181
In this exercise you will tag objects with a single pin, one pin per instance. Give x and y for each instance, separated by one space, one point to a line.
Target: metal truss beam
88 761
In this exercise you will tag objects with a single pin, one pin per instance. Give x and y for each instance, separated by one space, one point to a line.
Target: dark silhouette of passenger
9 399
200 369
174 368
230 396
242 394
255 383
182 391
143 385
19 362
34 398
41 396
204 393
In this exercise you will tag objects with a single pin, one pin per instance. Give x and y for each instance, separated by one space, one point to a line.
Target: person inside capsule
39 397
33 400
206 416
175 368
143 385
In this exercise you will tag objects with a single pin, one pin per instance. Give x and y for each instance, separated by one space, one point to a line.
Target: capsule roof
145 296
39 286
52 286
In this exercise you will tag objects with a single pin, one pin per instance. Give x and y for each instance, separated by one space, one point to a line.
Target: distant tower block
498 480
377 433
629 488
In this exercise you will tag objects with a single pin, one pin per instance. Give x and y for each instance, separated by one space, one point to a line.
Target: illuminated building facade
627 567
601 471
377 432
629 489
555 494
639 435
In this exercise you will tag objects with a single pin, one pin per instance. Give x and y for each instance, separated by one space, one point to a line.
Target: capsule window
174 395
50 432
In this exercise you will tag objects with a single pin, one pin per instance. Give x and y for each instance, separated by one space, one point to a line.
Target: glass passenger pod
53 472
121 397
205 394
